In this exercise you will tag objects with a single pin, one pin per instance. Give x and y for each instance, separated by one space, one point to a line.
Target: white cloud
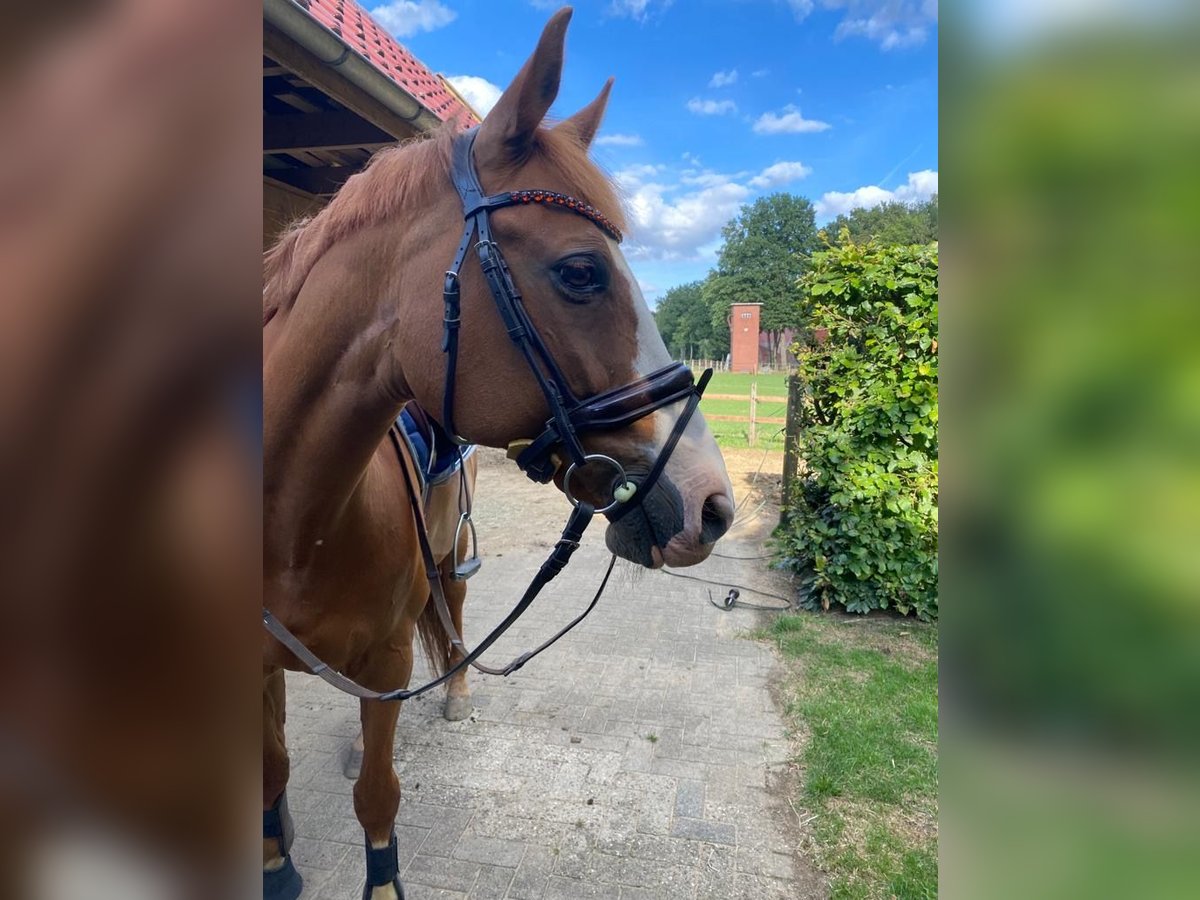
919 187
677 214
620 140
638 10
893 24
404 18
780 173
883 31
789 122
672 222
711 107
723 79
479 92
760 73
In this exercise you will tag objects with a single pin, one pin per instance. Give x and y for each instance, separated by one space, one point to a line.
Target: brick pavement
635 759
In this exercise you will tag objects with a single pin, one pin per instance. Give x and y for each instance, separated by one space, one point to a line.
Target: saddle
437 458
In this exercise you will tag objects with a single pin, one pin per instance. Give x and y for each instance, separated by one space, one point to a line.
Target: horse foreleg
377 791
281 881
458 694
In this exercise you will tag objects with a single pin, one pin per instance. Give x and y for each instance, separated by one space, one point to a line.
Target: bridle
569 416
539 457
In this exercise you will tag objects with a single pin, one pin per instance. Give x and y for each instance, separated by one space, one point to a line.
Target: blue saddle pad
437 457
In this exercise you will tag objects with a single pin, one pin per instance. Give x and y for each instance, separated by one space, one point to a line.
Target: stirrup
465 568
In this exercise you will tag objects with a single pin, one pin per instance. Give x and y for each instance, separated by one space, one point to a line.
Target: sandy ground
514 512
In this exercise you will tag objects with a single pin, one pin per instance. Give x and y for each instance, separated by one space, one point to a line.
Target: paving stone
647 873
700 830
491 851
311 854
439 872
559 888
689 799
648 893
529 882
423 892
492 883
760 862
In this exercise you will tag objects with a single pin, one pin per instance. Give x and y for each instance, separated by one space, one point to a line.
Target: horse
554 340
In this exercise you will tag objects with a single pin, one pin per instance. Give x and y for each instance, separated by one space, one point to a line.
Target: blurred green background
1071 465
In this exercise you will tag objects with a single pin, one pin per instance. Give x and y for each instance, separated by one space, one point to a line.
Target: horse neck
331 390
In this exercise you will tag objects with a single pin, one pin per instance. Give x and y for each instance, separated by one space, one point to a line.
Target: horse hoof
393 891
457 708
353 765
283 883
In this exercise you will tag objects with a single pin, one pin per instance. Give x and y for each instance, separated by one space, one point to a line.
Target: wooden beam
318 180
321 131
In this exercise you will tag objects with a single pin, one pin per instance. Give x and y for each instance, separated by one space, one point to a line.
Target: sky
716 103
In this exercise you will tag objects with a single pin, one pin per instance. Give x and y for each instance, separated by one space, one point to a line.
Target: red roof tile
355 26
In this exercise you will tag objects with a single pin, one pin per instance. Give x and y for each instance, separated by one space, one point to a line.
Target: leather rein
538 458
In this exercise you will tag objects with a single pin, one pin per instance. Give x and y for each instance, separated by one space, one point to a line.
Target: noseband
570 417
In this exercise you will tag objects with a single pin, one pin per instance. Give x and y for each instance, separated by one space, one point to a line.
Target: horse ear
506 135
585 123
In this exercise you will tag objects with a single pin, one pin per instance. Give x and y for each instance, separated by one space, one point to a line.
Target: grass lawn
862 698
737 434
774 385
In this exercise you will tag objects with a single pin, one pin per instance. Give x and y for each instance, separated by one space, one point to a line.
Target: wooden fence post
753 412
791 452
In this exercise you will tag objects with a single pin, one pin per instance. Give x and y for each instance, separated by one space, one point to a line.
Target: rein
538 458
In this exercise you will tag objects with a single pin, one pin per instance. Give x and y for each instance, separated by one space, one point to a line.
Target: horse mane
402 175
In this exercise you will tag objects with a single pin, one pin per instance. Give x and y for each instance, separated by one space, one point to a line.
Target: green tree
888 224
685 324
766 249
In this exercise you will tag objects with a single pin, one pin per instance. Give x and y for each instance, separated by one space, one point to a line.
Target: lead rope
580 518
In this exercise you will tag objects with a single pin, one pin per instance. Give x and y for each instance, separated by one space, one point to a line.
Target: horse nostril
716 517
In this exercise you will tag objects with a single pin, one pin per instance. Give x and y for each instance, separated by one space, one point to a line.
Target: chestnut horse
354 327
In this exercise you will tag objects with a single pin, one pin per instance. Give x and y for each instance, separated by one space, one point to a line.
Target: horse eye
579 274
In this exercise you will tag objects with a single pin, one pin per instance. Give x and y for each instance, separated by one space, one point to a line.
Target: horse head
543 225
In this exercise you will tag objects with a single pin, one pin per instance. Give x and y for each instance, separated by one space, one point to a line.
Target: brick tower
743 337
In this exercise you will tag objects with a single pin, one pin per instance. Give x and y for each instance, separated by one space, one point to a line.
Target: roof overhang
326 109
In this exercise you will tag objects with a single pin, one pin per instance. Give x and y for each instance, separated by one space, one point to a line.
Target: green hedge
860 523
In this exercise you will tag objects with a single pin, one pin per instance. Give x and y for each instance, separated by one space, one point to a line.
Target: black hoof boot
285 882
383 868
